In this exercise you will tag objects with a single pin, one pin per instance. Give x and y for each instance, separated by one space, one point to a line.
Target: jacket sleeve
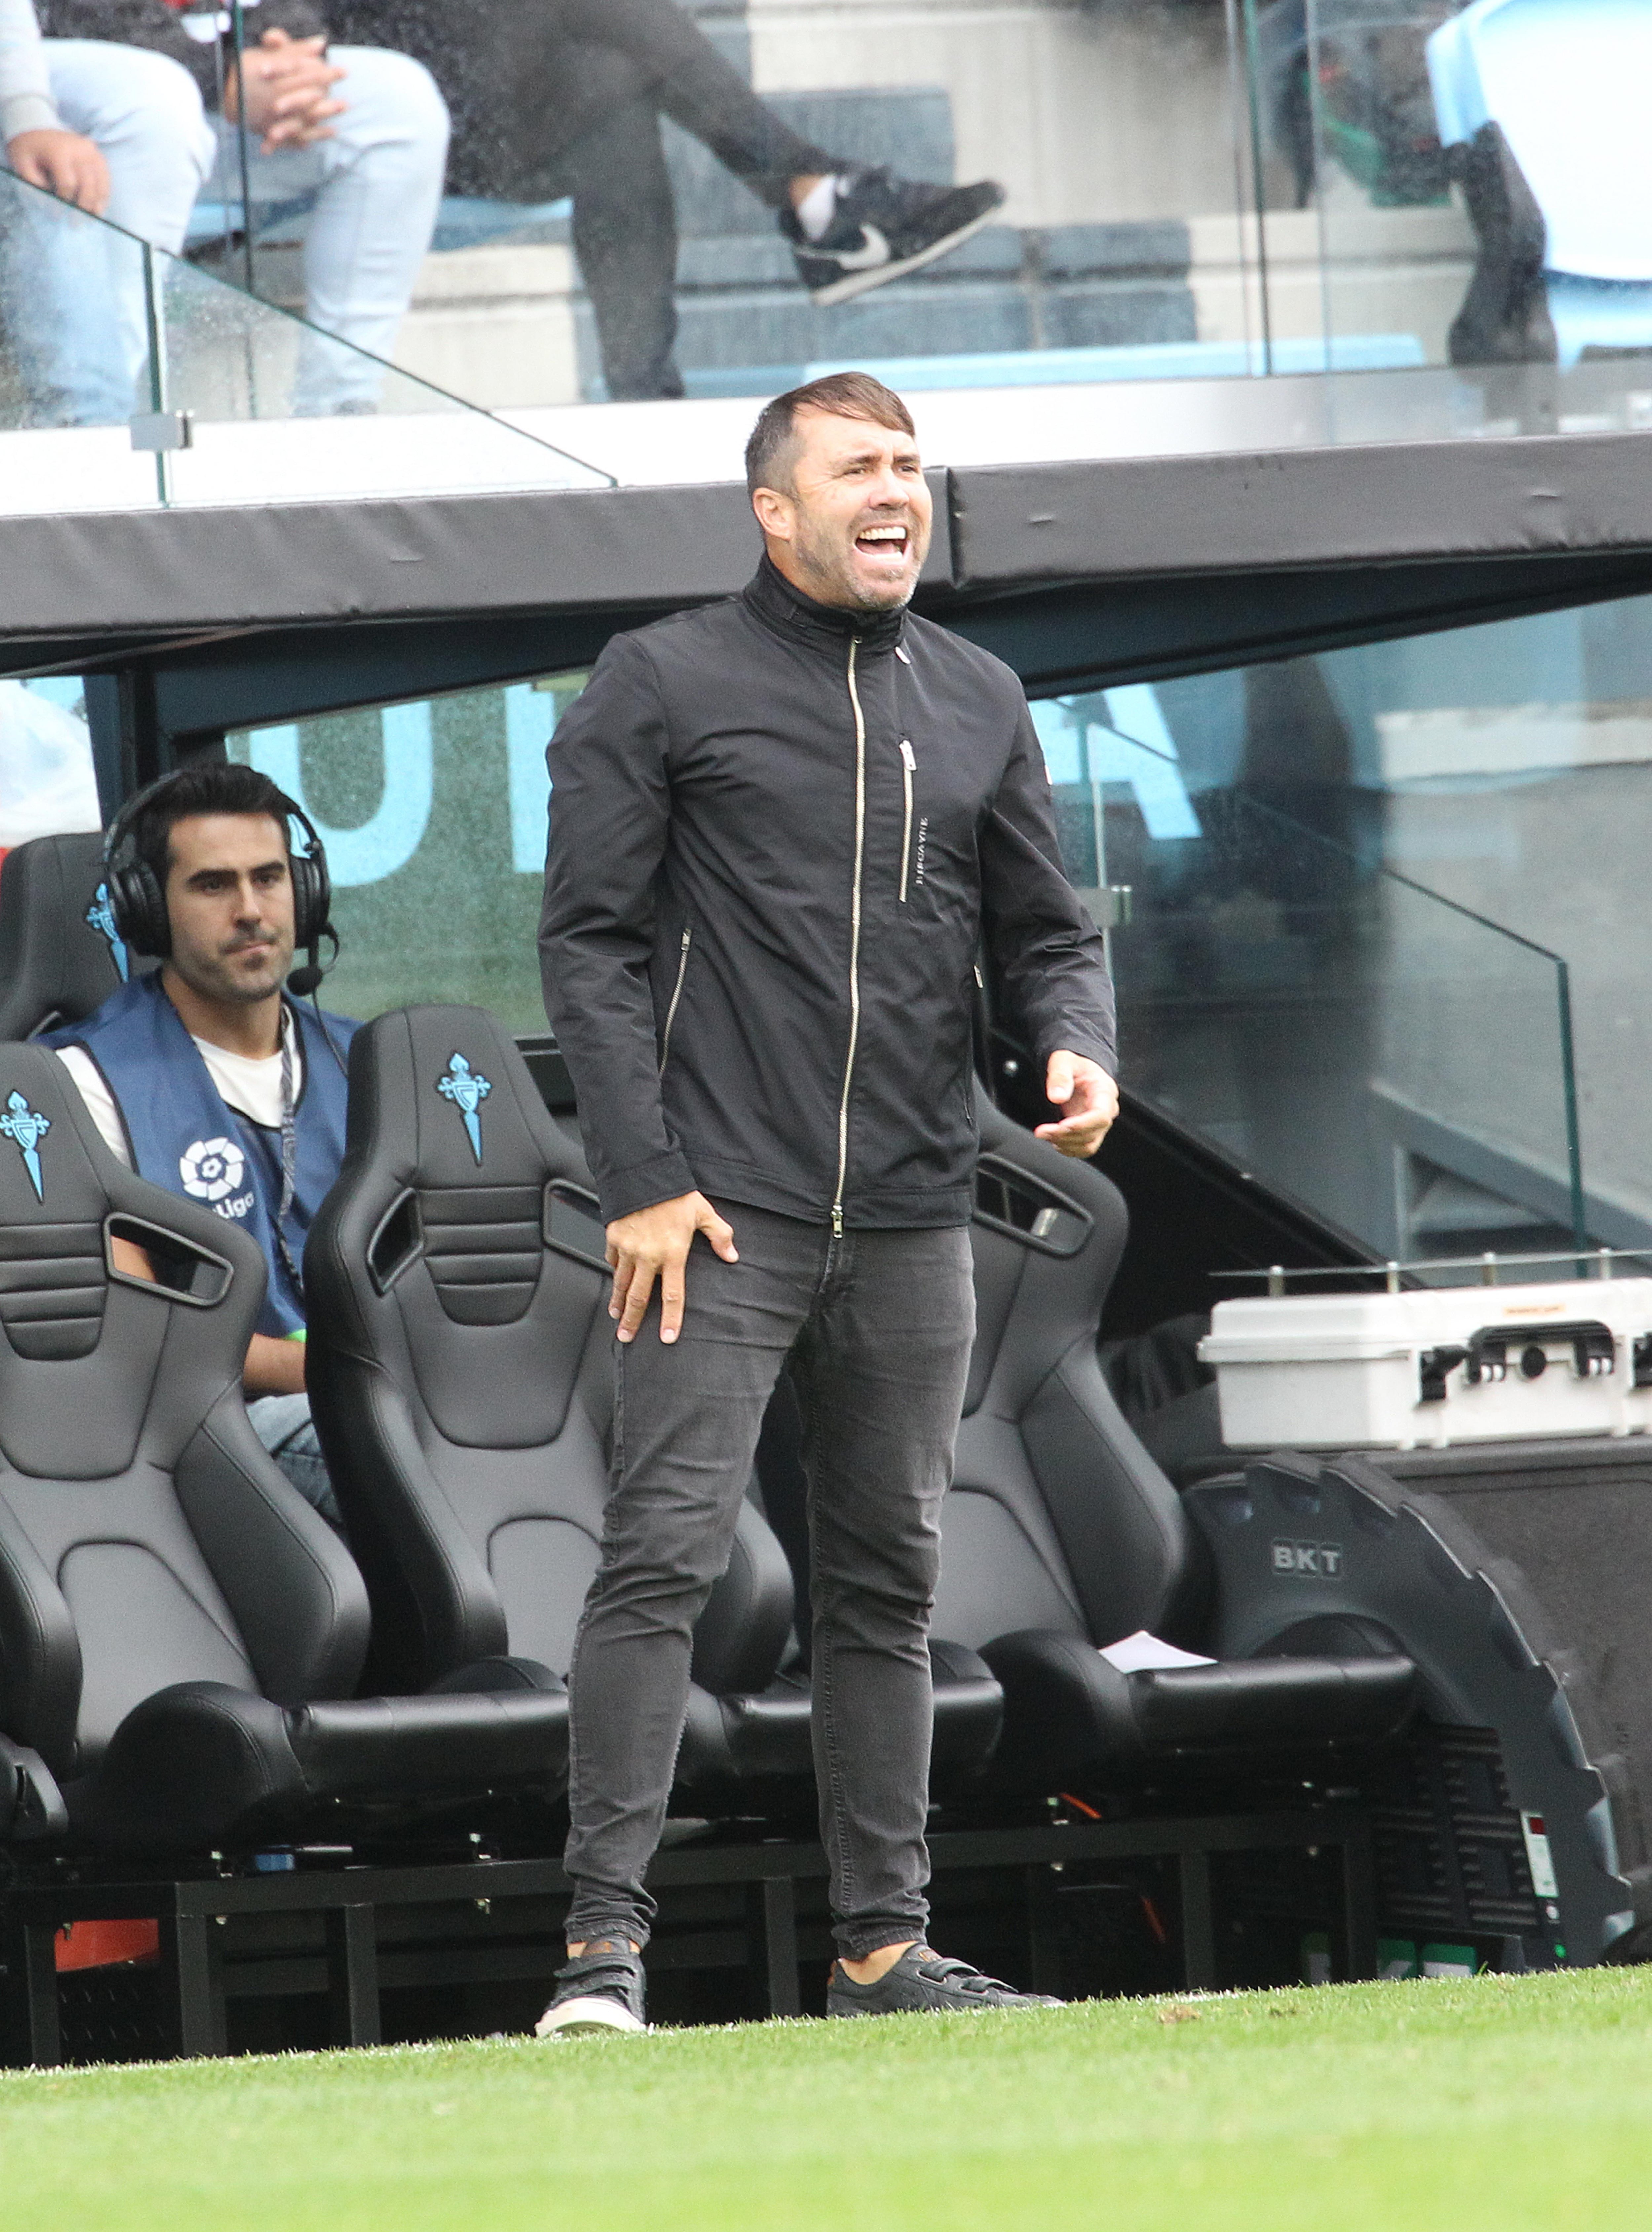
610 813
26 103
1047 955
154 25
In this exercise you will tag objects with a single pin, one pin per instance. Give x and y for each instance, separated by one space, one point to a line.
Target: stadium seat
59 955
182 1636
1061 1535
460 1378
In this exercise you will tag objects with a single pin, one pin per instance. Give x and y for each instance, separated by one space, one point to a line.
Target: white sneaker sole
585 2018
862 282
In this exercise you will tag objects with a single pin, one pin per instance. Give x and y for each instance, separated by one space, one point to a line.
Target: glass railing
1473 177
1393 1059
128 376
1407 219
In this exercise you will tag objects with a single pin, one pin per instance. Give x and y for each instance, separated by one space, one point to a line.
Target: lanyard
289 1158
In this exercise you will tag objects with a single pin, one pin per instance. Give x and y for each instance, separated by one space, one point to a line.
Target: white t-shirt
250 1084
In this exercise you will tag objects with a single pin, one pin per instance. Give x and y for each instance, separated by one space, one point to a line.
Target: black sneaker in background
883 226
601 1989
921 1982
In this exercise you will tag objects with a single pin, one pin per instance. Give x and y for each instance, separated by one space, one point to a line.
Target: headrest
59 955
439 1096
55 1168
58 1184
453 1164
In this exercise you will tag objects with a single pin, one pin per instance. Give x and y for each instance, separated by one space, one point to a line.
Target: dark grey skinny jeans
878 1327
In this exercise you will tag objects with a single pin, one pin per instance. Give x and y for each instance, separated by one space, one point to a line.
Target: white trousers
78 310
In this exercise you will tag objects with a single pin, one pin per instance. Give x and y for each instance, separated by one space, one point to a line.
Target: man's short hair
213 787
845 394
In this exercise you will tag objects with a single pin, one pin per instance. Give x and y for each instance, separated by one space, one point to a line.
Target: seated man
566 97
111 113
204 1077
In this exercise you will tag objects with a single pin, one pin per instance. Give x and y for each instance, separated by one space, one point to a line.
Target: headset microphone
305 982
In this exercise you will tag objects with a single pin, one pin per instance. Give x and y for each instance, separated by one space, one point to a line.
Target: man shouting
783 827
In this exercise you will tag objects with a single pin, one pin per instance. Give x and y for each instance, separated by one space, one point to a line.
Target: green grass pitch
1522 2104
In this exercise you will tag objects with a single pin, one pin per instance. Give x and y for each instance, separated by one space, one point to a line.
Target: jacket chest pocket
939 813
909 768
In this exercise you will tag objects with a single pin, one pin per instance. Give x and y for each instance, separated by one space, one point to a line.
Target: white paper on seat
1141 1652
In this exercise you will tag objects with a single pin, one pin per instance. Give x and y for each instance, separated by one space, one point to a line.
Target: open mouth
883 541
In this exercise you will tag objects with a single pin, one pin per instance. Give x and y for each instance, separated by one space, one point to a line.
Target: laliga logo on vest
211 1170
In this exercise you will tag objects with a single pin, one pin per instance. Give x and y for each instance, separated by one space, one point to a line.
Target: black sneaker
883 226
921 1982
601 1989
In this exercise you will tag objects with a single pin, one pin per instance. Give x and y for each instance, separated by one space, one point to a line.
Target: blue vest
185 1137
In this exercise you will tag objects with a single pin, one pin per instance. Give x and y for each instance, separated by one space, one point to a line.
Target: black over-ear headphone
139 905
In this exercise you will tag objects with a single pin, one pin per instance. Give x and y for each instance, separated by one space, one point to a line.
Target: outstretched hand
1089 1100
653 1243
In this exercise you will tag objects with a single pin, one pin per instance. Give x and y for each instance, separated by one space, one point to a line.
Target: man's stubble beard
214 980
834 567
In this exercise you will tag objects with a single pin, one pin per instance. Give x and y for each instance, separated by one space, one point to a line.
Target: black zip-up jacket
778 832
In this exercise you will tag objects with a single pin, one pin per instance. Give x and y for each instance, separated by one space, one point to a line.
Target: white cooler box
1441 1365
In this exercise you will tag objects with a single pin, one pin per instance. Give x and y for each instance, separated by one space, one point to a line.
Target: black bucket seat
59 955
181 1635
460 1375
1060 1533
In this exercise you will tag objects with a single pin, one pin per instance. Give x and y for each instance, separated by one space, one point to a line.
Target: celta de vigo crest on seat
28 1127
466 1089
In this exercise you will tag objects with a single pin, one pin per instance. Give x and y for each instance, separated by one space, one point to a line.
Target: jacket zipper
854 939
677 995
908 763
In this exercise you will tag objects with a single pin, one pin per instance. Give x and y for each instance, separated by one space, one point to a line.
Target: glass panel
1352 897
636 169
434 819
1363 233
107 340
1509 767
1349 880
1272 187
1369 895
1396 1061
1109 129
1478 177
1421 218
74 323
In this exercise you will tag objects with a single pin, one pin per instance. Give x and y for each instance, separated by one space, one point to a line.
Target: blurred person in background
112 110
566 97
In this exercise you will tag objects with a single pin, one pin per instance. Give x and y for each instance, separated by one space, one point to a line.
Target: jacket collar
787 610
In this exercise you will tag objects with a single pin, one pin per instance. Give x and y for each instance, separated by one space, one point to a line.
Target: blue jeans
876 1327
282 1424
72 289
